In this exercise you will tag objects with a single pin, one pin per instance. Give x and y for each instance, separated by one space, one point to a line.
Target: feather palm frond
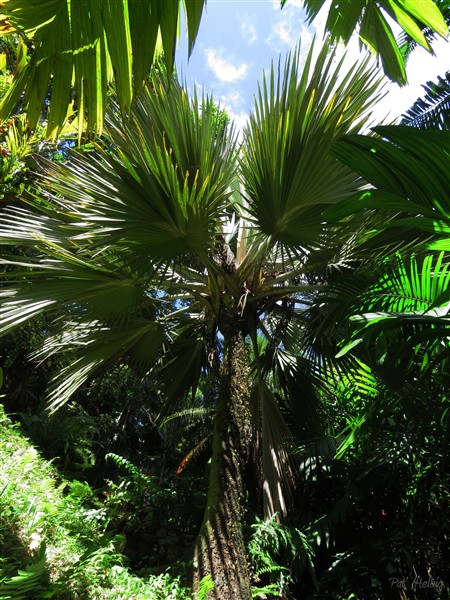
405 316
433 109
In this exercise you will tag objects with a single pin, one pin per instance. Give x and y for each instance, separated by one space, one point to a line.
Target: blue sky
238 39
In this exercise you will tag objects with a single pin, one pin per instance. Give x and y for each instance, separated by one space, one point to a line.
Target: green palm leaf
433 110
409 170
413 289
90 45
412 299
151 252
288 172
407 44
164 187
375 31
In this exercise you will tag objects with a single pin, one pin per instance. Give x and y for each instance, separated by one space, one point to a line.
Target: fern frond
270 569
138 479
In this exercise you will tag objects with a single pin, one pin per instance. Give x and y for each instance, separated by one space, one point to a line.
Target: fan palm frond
288 172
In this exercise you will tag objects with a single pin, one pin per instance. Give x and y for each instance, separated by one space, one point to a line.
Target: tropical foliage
406 42
244 345
89 47
419 21
433 110
74 553
77 53
214 265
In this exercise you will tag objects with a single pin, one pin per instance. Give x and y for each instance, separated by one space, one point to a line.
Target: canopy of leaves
156 220
115 40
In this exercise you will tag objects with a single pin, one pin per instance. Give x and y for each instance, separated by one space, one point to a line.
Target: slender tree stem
220 549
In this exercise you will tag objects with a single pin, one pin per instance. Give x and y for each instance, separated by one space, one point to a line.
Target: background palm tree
174 251
390 310
408 173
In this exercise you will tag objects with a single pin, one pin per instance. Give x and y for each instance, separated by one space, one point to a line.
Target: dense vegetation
225 364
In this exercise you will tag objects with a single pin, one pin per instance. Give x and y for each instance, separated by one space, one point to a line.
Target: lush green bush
56 545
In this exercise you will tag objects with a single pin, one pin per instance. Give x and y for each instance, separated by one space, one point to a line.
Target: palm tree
176 250
389 309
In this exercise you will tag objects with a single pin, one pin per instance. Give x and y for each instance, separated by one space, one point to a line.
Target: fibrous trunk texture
220 549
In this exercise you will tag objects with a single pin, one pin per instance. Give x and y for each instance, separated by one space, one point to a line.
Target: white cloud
223 69
249 33
288 27
280 36
233 99
239 120
283 30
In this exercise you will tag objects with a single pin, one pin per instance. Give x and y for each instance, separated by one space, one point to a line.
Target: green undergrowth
55 545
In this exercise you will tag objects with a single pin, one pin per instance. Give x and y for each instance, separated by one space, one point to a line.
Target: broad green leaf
367 17
194 12
116 22
102 43
374 199
377 35
407 23
427 13
349 346
144 34
408 163
61 84
168 19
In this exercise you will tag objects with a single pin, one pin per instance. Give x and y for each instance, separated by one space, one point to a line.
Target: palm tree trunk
220 549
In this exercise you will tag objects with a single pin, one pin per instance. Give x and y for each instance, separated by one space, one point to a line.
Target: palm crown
174 247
